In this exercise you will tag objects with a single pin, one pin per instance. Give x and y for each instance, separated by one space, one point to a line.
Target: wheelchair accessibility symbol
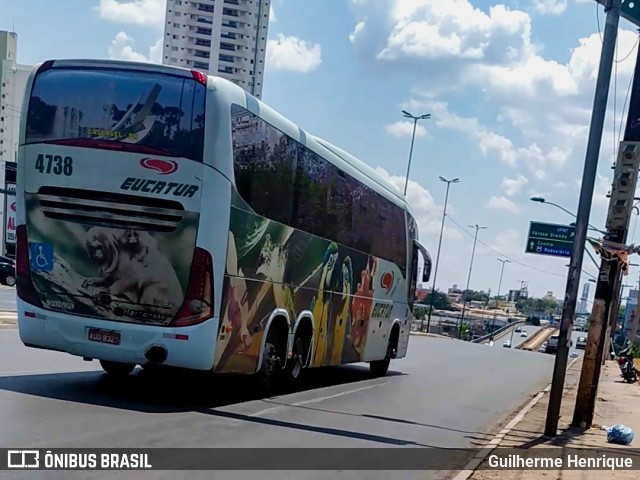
41 256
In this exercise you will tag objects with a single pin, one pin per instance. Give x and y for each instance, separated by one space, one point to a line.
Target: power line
502 254
600 34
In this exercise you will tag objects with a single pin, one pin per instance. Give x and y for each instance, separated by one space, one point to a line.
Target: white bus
167 217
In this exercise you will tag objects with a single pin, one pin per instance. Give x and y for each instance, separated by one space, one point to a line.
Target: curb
432 335
481 456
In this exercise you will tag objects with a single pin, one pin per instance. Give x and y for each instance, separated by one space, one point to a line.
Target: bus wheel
379 368
270 368
117 368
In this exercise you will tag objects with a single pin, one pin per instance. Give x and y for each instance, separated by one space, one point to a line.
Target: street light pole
435 271
505 261
473 252
544 200
413 137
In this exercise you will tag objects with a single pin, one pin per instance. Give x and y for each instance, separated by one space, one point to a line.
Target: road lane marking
42 372
480 457
316 400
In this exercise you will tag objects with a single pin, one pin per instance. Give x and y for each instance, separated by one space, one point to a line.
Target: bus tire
117 369
379 368
299 352
270 369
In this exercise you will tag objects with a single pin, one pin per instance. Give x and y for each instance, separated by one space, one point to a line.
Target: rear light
197 305
24 285
199 77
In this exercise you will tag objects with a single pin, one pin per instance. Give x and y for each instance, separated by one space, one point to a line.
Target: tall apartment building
583 308
227 38
13 81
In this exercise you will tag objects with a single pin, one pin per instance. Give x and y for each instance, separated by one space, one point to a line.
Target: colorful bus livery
195 227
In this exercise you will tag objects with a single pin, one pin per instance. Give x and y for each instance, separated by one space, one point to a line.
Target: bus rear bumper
190 347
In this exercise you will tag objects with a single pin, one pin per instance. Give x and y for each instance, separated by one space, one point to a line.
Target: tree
440 301
480 297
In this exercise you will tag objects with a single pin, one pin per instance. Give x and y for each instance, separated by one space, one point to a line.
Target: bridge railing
498 331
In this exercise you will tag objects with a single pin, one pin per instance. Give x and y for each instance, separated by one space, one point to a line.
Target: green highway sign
550 239
629 10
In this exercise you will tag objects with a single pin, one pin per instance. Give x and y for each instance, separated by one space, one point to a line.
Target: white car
507 344
543 347
524 334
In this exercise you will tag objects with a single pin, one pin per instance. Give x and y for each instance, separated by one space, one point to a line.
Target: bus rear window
155 111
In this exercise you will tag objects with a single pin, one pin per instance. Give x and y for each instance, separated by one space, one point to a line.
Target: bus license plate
104 336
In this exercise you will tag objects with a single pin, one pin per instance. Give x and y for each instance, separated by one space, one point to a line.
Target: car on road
524 334
552 344
518 329
7 271
507 344
581 343
543 347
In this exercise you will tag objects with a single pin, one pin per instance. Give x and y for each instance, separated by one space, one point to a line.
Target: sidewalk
617 403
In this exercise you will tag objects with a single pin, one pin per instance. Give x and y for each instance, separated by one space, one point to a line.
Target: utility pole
614 314
473 252
617 226
636 317
505 261
582 219
435 271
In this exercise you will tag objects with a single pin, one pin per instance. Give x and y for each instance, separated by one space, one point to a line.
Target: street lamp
505 261
413 137
543 200
435 272
473 252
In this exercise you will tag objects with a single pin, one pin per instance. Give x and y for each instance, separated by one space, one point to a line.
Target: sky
509 86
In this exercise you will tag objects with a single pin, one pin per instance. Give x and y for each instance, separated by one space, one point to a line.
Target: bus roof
330 152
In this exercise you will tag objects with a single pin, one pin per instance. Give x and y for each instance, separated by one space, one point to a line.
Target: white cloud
405 129
509 242
512 186
601 189
550 7
137 12
121 48
543 106
293 54
502 203
272 15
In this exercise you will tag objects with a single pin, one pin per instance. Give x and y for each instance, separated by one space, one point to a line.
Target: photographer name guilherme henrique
596 462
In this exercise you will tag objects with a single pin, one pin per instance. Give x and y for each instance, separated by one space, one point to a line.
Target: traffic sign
550 239
629 10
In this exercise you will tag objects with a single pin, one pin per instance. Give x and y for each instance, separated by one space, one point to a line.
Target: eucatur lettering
158 186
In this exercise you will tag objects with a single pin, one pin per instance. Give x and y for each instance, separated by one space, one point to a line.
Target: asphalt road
446 393
7 298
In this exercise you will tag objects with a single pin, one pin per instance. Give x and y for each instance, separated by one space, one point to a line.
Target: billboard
10 210
10 215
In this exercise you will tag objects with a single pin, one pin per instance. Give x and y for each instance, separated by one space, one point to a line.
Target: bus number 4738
56 164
